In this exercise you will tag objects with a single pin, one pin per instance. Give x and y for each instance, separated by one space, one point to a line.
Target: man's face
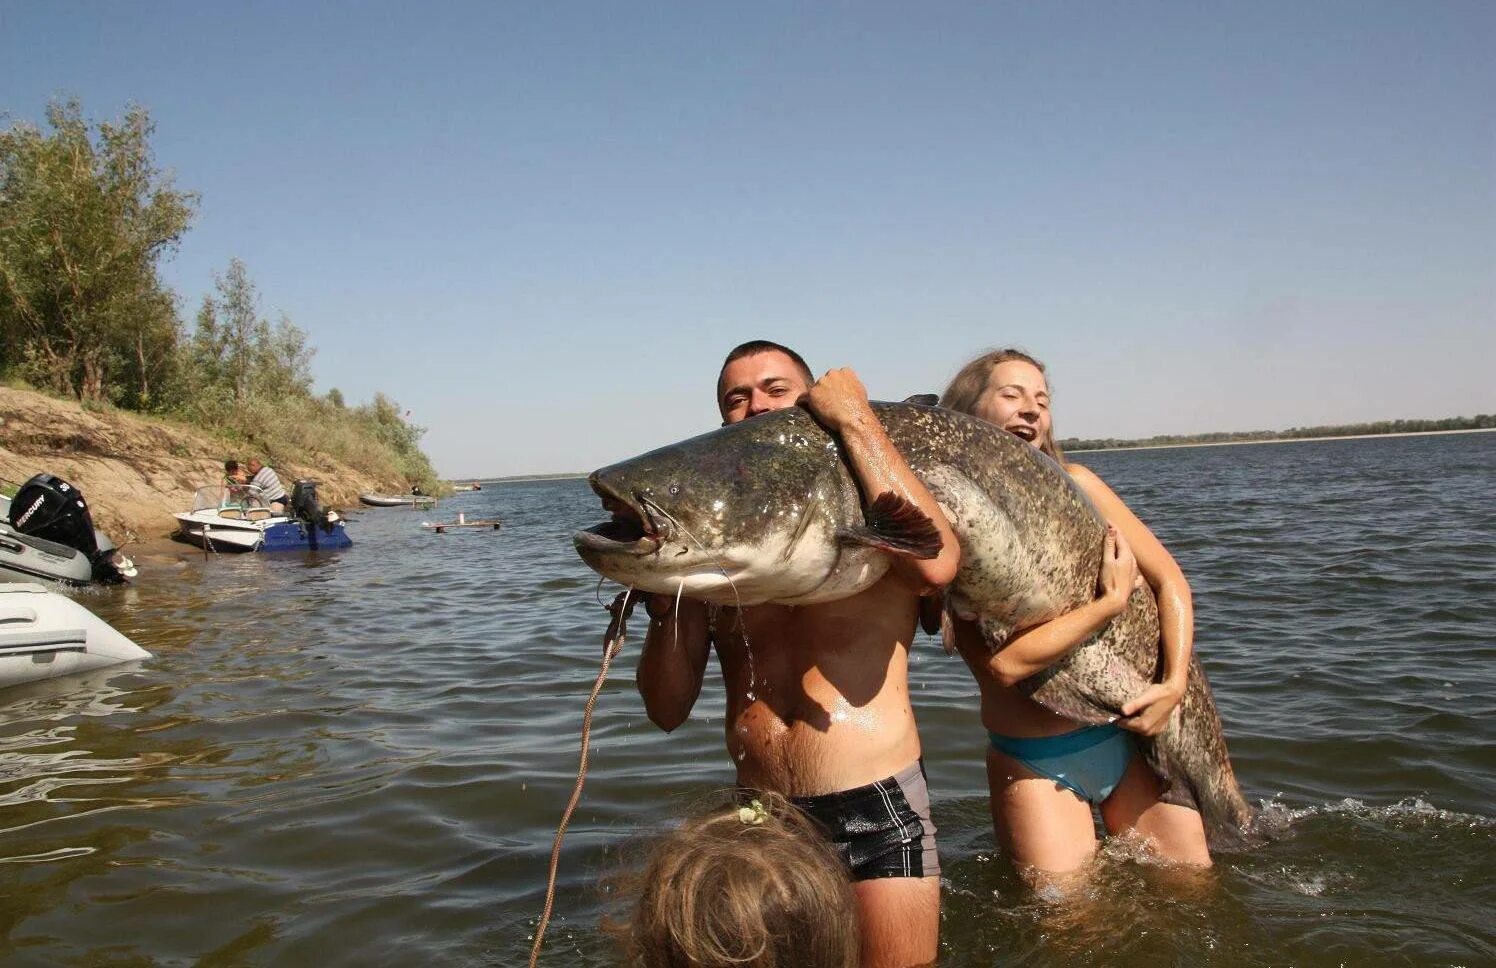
254 467
759 383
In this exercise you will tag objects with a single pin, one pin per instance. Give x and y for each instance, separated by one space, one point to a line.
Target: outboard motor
307 509
50 508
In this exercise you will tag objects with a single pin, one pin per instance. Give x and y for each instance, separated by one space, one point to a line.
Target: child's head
755 885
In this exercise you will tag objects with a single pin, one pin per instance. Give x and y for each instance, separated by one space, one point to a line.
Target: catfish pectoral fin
994 633
896 525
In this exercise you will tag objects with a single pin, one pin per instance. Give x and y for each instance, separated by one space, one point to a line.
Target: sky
540 227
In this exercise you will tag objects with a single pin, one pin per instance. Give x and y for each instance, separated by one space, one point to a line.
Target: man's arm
839 403
673 661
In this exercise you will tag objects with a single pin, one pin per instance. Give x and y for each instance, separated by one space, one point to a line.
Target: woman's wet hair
748 883
970 382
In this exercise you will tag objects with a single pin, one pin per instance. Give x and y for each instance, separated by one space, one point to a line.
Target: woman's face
1017 400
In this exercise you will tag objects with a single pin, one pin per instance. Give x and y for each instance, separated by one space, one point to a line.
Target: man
270 486
818 695
234 480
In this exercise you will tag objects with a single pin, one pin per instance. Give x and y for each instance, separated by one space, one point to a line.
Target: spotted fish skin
770 502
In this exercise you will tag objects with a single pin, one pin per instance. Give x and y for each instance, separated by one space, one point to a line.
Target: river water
358 758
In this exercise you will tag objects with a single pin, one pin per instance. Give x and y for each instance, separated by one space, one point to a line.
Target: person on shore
1046 772
752 883
270 487
817 695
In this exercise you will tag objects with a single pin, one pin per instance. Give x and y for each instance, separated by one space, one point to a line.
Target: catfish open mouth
630 529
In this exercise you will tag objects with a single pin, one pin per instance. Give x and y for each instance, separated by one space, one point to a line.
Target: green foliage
234 356
240 375
85 218
84 221
1478 422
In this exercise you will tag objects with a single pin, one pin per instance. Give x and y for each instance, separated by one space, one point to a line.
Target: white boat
44 634
397 500
229 518
238 518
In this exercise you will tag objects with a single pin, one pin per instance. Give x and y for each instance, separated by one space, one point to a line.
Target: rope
612 645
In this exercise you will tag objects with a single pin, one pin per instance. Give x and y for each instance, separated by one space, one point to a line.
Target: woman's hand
1119 571
1148 712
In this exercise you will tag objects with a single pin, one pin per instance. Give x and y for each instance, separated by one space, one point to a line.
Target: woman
1045 771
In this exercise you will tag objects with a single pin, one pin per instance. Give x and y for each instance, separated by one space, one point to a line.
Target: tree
235 356
84 222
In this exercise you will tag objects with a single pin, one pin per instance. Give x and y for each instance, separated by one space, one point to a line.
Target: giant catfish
765 510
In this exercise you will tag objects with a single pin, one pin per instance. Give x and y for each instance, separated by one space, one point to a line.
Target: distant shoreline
1284 440
580 475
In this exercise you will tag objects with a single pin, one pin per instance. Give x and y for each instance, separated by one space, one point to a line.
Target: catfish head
760 511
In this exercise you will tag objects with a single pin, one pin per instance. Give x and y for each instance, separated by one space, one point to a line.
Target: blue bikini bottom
1089 761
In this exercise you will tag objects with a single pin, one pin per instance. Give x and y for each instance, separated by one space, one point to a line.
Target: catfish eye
674 489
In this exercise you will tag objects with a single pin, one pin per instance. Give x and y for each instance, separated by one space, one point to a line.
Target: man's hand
621 609
838 401
1148 712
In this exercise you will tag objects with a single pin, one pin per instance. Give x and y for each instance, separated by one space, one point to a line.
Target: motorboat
397 500
46 532
44 634
236 517
474 486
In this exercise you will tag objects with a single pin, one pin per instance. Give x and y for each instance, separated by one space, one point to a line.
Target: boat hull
293 536
24 557
396 500
44 635
274 534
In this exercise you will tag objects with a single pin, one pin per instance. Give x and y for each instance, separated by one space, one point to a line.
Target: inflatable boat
397 500
44 634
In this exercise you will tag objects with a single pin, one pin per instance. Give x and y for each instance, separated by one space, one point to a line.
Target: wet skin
818 695
1042 826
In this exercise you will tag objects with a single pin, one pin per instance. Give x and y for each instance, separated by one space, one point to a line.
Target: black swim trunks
882 829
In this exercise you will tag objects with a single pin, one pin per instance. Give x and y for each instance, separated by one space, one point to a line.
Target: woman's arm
1036 649
1148 712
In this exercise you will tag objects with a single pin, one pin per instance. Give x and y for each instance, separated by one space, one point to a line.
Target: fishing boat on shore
397 500
44 634
46 533
238 518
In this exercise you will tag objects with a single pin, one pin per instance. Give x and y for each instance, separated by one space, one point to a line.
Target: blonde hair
970 382
741 885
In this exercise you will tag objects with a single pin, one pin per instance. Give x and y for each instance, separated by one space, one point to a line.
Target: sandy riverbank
136 471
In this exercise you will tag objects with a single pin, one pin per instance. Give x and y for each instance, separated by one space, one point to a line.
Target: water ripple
375 745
